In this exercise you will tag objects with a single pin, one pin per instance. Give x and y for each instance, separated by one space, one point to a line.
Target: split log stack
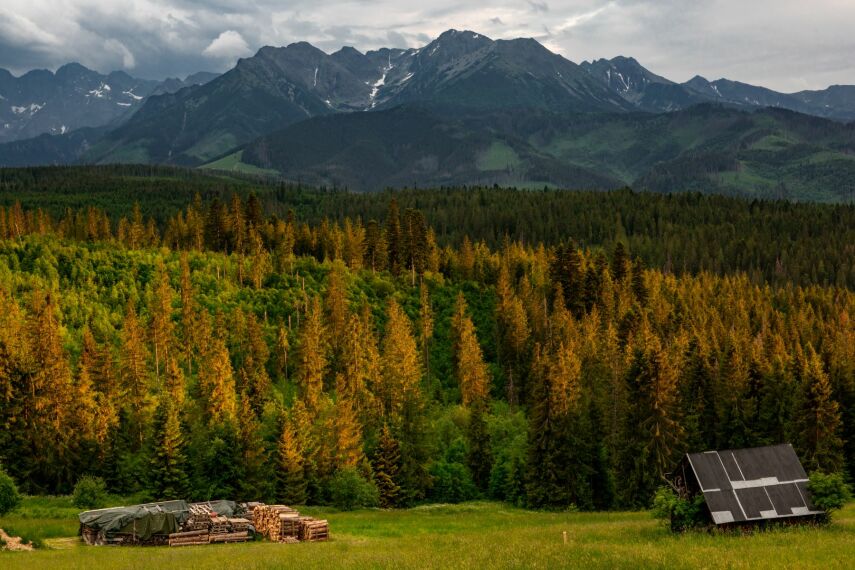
314 530
189 538
280 523
204 526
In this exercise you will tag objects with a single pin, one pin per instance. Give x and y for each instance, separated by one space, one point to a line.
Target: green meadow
469 535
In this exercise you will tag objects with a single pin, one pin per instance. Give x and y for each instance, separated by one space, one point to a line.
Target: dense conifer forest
771 241
540 348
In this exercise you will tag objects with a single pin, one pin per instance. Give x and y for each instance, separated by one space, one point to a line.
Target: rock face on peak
641 87
466 69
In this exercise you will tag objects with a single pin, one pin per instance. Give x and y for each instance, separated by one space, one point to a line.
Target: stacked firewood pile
280 523
199 523
204 526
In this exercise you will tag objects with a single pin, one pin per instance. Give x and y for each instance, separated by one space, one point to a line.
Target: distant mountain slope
41 102
50 150
653 93
411 146
712 149
838 101
198 123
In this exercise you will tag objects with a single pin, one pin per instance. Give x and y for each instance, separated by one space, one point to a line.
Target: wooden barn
748 486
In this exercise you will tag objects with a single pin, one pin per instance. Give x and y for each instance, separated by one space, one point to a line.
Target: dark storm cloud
783 44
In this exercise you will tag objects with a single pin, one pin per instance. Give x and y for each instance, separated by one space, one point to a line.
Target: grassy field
232 163
473 535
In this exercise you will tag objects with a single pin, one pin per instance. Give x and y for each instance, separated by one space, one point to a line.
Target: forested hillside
772 241
769 153
227 353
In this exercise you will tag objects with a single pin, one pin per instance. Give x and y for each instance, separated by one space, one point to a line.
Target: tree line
236 354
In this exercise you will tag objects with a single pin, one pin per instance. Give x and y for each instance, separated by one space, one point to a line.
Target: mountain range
43 102
462 109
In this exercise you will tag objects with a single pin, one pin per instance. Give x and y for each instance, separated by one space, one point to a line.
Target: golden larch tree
313 361
401 373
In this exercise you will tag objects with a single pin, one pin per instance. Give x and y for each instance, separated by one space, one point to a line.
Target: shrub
452 483
829 492
9 496
90 493
680 514
349 490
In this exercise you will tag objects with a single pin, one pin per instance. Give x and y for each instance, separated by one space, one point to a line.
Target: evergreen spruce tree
425 326
255 379
697 399
620 262
167 476
256 479
479 456
513 336
393 238
386 465
545 486
816 424
652 437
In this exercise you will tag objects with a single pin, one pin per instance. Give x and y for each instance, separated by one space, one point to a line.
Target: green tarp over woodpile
142 521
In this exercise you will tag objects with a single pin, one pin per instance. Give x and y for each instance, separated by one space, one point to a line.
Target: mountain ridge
465 108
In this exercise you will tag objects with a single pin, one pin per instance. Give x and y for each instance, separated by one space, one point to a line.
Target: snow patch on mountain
100 91
375 88
132 95
33 108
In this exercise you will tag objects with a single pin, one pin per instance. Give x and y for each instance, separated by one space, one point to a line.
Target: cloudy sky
787 45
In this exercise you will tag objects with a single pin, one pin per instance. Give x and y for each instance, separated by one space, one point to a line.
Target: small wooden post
565 536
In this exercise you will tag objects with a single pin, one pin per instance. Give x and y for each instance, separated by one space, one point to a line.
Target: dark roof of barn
760 483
